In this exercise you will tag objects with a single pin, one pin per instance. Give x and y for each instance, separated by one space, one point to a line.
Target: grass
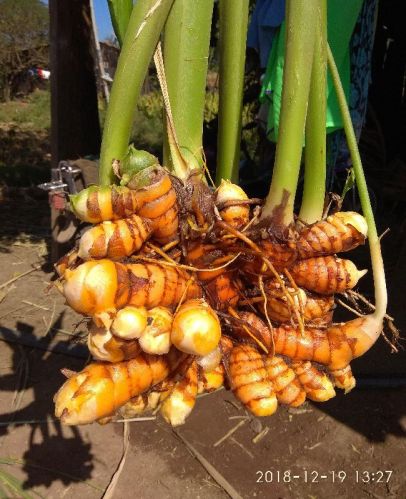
147 130
24 136
31 113
25 126
9 484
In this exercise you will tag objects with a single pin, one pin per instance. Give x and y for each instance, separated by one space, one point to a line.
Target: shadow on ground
52 454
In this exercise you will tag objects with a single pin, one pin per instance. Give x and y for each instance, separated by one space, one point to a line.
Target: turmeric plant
189 288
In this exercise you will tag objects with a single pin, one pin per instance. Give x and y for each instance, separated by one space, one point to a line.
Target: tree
23 39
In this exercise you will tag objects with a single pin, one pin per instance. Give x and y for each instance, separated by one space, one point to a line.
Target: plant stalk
186 50
315 133
301 22
143 31
381 295
233 36
120 12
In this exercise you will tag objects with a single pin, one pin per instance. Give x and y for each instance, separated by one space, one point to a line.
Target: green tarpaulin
341 18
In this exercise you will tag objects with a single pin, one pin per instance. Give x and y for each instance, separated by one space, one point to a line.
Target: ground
305 449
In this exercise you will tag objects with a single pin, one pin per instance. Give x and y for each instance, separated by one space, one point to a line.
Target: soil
311 452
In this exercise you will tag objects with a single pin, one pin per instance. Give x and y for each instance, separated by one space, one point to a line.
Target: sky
103 22
102 14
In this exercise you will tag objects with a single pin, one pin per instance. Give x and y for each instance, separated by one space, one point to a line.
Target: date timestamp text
313 476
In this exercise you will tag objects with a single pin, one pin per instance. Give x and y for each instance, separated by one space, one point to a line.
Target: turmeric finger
316 384
196 328
343 378
114 240
287 387
156 337
100 389
98 286
250 382
326 275
149 194
140 404
99 203
333 347
314 308
236 215
209 381
182 398
103 345
341 232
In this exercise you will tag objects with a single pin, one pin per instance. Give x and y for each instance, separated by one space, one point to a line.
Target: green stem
145 25
381 296
300 34
186 50
120 12
315 150
233 35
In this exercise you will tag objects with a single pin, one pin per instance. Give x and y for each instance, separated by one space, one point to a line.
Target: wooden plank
75 129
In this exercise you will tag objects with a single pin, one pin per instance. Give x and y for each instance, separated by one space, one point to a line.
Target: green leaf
301 24
186 51
14 485
233 36
120 12
349 183
3 493
142 35
30 464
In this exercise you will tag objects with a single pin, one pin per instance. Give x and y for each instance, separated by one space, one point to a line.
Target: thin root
359 296
252 221
205 168
182 298
261 287
250 301
239 235
171 263
343 304
297 291
170 245
286 293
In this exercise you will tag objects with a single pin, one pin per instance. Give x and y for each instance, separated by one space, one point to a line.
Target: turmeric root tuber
100 286
115 239
317 385
333 347
105 346
326 275
341 232
97 204
287 387
209 381
100 389
196 328
250 382
180 402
